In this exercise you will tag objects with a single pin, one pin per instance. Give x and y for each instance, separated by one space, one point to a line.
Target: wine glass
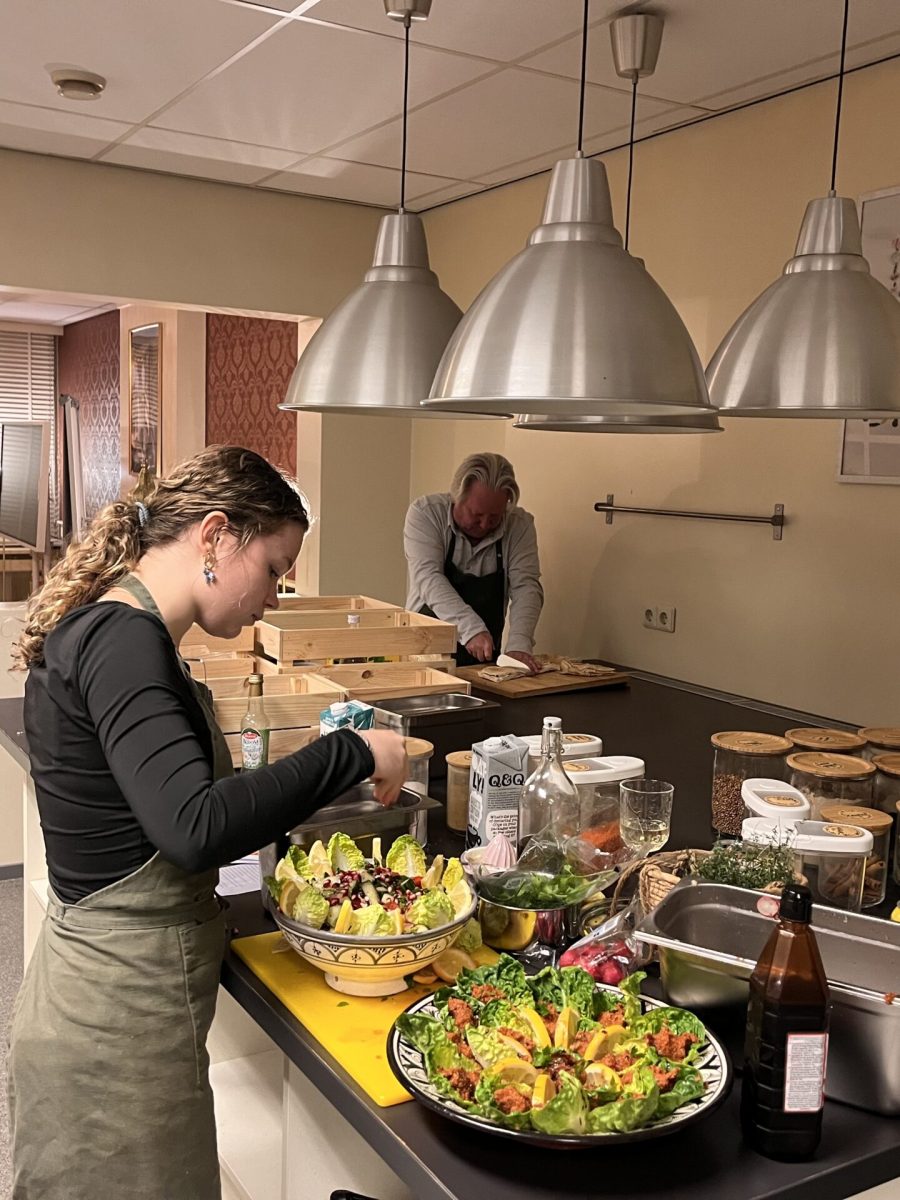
645 814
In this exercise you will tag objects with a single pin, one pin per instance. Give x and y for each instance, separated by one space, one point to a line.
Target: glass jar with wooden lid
831 779
879 825
829 741
886 792
459 766
419 753
740 755
880 739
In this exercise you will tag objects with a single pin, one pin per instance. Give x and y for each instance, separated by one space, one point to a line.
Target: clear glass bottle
549 802
255 728
786 1043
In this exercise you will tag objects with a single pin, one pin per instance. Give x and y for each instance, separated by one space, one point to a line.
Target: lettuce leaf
506 974
484 1098
636 1106
688 1086
424 1032
566 986
678 1020
630 988
567 1112
500 1013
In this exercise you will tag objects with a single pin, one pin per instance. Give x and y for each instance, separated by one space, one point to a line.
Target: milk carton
496 778
351 713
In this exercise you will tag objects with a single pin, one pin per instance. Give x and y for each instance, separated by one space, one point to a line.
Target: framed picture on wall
145 397
870 450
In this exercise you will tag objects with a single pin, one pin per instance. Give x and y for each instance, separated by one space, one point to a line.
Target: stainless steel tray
448 705
709 937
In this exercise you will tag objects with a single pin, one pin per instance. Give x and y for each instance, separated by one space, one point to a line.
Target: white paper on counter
240 876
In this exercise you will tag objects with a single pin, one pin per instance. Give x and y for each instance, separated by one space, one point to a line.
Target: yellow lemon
513 1046
544 1090
449 964
515 1070
895 915
605 1041
285 869
566 1025
289 893
598 1076
396 919
460 896
342 924
538 1034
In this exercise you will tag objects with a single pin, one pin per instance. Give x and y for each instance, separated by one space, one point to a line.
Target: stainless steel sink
709 937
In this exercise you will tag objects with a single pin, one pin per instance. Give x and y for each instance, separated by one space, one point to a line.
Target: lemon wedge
432 876
289 893
544 1090
460 896
396 919
596 1075
538 1034
566 1025
342 924
514 1070
448 965
605 1041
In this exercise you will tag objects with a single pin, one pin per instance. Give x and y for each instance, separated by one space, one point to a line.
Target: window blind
28 391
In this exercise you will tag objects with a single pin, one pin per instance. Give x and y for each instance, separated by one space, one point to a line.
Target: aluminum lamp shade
378 351
823 340
573 324
706 422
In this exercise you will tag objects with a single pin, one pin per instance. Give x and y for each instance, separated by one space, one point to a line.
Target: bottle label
804 1072
254 748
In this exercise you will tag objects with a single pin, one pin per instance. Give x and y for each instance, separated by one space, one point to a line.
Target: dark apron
109 1090
485 594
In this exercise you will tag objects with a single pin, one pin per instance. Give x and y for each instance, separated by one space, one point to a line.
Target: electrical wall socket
659 618
665 619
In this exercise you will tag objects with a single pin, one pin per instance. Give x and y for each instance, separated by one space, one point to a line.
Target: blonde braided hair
256 498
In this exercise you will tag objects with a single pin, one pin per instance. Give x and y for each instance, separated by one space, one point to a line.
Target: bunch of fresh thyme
747 864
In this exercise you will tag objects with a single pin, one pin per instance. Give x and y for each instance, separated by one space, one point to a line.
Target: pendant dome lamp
636 40
573 324
377 352
824 339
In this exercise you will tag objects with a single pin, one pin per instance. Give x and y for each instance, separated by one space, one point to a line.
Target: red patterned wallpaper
249 363
88 367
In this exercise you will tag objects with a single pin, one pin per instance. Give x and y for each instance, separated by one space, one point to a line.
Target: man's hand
531 663
391 765
481 647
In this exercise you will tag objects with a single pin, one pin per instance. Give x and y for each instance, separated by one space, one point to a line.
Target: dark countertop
669 727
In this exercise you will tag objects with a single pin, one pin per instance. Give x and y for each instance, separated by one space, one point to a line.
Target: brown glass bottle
786 1041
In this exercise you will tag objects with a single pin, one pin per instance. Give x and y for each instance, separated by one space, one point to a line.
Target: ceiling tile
355 181
148 53
190 154
502 30
49 131
465 135
293 90
710 48
443 195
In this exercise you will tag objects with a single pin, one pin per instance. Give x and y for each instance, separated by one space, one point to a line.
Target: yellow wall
809 622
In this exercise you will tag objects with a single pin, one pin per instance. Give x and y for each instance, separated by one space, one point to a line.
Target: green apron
109 1092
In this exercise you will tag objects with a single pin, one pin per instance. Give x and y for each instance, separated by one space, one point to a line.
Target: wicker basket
656 876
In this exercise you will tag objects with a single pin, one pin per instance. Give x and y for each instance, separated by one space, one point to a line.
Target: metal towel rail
776 521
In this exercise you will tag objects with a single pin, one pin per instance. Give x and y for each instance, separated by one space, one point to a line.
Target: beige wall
112 231
809 622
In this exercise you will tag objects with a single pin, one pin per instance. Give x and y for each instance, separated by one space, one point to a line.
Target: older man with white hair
472 554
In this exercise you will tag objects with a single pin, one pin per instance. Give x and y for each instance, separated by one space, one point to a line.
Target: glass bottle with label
255 728
786 1043
549 802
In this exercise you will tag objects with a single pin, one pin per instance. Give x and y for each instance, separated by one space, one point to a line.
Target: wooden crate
300 708
218 666
281 743
232 687
292 636
332 604
198 643
362 681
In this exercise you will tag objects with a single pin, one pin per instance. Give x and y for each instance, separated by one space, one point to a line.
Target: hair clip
142 512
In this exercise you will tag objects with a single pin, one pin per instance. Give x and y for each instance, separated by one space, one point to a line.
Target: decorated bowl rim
353 939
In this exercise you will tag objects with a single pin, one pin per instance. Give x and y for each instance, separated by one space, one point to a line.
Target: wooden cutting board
547 684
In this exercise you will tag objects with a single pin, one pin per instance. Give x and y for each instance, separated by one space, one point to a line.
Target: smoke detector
77 85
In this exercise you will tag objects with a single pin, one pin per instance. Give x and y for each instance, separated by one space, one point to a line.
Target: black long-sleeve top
121 757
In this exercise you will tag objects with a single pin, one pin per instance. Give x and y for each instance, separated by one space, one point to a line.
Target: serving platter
408 1065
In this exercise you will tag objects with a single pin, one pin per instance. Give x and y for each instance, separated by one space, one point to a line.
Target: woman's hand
391 764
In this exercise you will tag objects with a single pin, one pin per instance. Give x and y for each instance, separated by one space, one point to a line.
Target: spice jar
459 766
831 778
886 792
739 756
883 739
597 783
829 741
830 856
774 800
879 825
419 753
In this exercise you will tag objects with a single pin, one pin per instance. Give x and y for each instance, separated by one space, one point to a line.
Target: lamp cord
634 84
840 94
584 41
406 24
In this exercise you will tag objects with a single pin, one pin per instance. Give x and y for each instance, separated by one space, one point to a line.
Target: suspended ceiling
306 97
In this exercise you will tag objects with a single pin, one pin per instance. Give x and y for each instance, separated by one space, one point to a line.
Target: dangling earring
208 564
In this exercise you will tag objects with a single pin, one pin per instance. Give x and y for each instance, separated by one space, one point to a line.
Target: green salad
555 1054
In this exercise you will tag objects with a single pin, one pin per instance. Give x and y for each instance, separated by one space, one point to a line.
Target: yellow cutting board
353 1029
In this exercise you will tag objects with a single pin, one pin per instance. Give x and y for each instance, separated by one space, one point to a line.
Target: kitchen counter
669 726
